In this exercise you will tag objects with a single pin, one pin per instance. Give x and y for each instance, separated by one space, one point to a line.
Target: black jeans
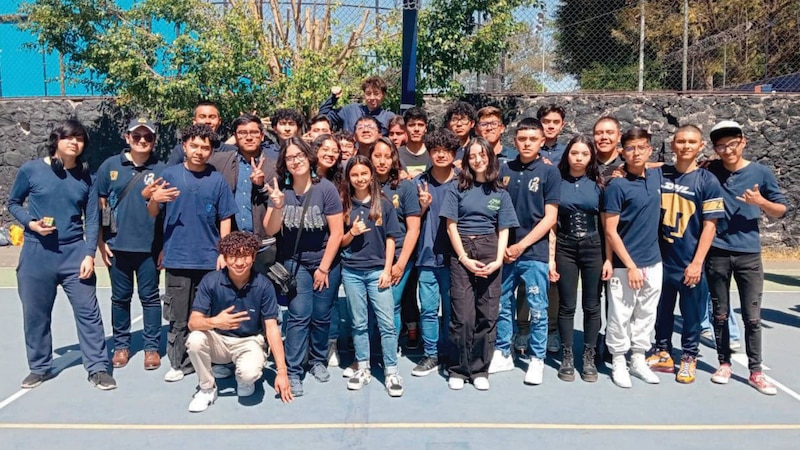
747 270
475 303
178 300
579 256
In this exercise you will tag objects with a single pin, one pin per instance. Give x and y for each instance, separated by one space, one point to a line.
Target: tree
234 55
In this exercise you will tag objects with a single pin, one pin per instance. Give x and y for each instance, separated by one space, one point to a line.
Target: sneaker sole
763 391
719 380
662 369
395 393
423 373
104 387
685 380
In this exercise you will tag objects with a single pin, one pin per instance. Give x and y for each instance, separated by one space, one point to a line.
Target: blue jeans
534 274
123 267
360 286
309 315
397 292
339 314
434 290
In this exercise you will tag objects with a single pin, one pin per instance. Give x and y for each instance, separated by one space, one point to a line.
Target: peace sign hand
257 174
359 227
425 197
275 195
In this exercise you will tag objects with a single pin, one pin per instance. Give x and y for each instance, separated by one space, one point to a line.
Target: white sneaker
333 353
245 389
619 372
455 383
359 379
481 383
641 370
553 342
394 385
501 363
174 375
535 371
221 371
350 370
203 399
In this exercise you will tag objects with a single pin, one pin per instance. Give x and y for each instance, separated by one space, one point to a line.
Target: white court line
741 359
15 396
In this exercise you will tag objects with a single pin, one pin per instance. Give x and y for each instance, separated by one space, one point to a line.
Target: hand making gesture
425 197
257 174
277 197
359 227
163 192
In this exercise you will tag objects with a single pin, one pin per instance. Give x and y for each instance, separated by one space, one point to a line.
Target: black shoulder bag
286 282
107 213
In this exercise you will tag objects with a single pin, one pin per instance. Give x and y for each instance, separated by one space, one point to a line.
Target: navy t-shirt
368 250
190 221
687 199
531 186
433 243
637 201
325 201
70 198
405 200
178 155
738 230
479 210
135 227
579 194
216 292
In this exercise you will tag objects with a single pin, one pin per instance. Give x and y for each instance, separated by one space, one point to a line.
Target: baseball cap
141 122
724 129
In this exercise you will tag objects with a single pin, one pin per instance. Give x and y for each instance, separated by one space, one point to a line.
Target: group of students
450 217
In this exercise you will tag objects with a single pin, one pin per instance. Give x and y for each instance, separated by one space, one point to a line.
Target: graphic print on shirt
313 220
533 185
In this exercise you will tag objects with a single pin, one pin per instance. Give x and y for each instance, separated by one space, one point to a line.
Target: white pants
632 313
207 347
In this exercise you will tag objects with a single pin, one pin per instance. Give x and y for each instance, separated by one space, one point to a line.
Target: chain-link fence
561 46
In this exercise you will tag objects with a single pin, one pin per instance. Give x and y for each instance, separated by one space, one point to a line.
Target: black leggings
579 256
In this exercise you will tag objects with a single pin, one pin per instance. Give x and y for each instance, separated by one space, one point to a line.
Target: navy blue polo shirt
190 221
216 292
553 153
368 250
325 201
433 242
479 210
738 230
507 154
531 186
135 227
405 200
687 199
178 156
69 198
637 201
579 195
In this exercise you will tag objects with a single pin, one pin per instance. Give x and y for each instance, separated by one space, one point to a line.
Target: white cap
726 128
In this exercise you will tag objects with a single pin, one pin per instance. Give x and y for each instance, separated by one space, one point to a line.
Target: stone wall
770 121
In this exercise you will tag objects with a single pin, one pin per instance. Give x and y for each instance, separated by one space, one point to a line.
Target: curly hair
442 138
238 243
199 130
459 109
288 114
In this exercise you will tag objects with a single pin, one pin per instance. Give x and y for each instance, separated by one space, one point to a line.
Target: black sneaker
103 381
35 379
427 366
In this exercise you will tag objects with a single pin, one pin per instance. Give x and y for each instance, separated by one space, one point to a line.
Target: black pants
475 303
579 256
178 299
747 270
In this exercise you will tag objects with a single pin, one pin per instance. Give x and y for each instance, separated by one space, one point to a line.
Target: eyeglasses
488 125
366 127
298 158
245 133
730 146
636 149
147 137
460 120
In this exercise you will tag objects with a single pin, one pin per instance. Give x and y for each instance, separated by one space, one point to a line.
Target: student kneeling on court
233 310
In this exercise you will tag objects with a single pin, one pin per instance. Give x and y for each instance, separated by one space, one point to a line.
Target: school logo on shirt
494 204
396 200
506 179
149 178
113 175
533 185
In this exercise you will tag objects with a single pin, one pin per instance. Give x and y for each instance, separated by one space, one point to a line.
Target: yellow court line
401 425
